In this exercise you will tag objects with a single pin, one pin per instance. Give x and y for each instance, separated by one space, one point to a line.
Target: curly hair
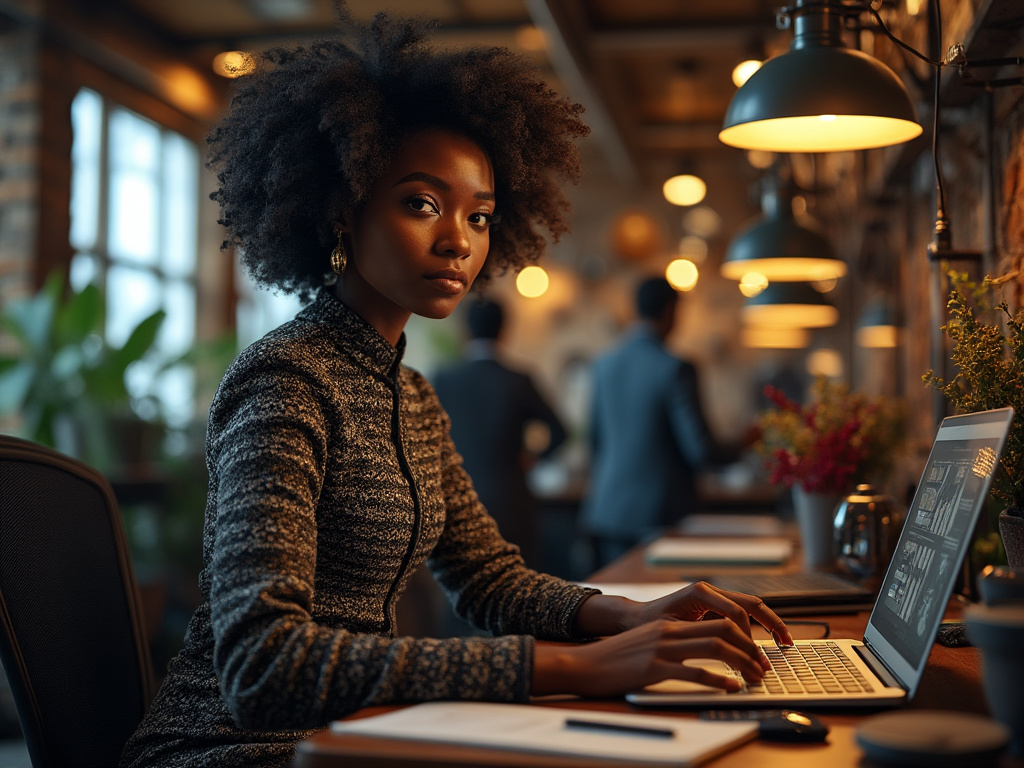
312 129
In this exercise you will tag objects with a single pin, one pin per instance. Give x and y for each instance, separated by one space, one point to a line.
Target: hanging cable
942 236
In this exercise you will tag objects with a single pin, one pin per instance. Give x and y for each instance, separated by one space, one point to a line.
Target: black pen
636 730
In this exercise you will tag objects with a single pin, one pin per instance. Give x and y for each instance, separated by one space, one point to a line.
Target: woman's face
422 237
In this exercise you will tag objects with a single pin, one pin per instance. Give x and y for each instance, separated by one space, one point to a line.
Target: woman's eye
482 219
421 205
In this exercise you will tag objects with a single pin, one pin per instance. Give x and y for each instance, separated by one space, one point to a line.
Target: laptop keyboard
817 668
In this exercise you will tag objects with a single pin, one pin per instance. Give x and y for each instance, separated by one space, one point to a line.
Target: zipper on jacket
403 463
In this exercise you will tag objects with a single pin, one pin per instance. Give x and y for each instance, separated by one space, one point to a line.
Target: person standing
491 406
648 433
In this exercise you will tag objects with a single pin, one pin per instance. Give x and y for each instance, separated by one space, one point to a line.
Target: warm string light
682 274
233 64
684 189
752 283
742 71
532 282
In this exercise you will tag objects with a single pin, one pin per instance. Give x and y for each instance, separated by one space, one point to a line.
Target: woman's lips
449 280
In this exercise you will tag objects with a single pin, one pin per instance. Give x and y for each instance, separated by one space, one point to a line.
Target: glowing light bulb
233 64
742 71
752 284
685 189
532 282
682 274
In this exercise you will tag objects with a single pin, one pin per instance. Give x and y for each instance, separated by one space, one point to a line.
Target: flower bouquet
839 439
822 450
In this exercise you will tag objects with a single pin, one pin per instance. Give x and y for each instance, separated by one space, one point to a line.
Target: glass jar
866 528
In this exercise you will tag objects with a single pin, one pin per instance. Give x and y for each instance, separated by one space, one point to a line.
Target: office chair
71 633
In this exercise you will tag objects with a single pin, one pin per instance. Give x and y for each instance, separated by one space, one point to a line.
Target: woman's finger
756 608
737 606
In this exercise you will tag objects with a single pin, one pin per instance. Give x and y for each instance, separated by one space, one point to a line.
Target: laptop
885 667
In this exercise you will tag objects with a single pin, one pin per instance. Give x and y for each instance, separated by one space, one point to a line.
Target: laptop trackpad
686 686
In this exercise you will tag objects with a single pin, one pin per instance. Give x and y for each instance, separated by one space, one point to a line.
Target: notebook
885 666
599 737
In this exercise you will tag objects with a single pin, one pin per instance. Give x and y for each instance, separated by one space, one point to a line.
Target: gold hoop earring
339 259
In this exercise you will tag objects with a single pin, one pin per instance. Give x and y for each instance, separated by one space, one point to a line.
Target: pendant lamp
820 96
779 248
789 305
877 328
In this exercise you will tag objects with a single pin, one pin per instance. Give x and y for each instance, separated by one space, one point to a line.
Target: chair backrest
71 634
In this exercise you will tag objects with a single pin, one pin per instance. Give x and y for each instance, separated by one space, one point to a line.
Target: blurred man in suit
648 433
491 406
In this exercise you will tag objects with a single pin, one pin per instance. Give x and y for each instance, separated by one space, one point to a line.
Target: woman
385 164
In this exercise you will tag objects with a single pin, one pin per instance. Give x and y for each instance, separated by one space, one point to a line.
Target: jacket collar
354 334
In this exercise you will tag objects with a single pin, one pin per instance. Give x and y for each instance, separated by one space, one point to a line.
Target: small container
866 528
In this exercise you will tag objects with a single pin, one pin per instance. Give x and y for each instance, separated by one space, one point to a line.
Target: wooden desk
952 681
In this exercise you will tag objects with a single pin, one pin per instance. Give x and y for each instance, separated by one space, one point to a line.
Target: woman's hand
648 654
602 615
650 641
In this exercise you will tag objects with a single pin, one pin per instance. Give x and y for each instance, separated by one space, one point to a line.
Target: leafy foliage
839 439
61 371
988 353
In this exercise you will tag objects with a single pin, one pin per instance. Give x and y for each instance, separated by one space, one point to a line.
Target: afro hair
312 128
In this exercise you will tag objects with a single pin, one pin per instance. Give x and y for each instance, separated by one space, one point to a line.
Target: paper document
732 551
642 739
731 524
642 592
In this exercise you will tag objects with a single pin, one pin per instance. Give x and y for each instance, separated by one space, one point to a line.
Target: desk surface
952 681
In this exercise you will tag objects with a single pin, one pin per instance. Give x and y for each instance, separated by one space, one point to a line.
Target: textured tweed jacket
332 477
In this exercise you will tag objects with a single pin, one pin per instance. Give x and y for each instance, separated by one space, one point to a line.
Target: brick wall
20 127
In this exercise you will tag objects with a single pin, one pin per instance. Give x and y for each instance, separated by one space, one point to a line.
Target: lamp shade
877 327
789 305
760 337
779 248
820 96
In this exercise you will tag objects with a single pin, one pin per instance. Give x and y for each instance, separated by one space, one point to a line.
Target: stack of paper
710 551
731 524
646 739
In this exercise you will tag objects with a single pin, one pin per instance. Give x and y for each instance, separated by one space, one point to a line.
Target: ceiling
654 75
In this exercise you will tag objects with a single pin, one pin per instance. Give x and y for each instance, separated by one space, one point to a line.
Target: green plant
60 375
839 439
988 353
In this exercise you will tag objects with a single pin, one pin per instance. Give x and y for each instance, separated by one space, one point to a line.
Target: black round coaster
932 738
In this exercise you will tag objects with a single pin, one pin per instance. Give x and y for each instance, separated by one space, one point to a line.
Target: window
134 211
259 309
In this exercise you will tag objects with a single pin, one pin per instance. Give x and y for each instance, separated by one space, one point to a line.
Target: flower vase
815 514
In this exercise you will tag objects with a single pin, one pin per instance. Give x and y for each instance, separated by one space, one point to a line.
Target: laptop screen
935 538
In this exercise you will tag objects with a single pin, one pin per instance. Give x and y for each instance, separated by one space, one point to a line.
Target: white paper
730 524
759 551
534 728
639 591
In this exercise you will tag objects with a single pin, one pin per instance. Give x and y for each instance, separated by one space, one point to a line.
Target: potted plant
824 449
988 354
61 377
